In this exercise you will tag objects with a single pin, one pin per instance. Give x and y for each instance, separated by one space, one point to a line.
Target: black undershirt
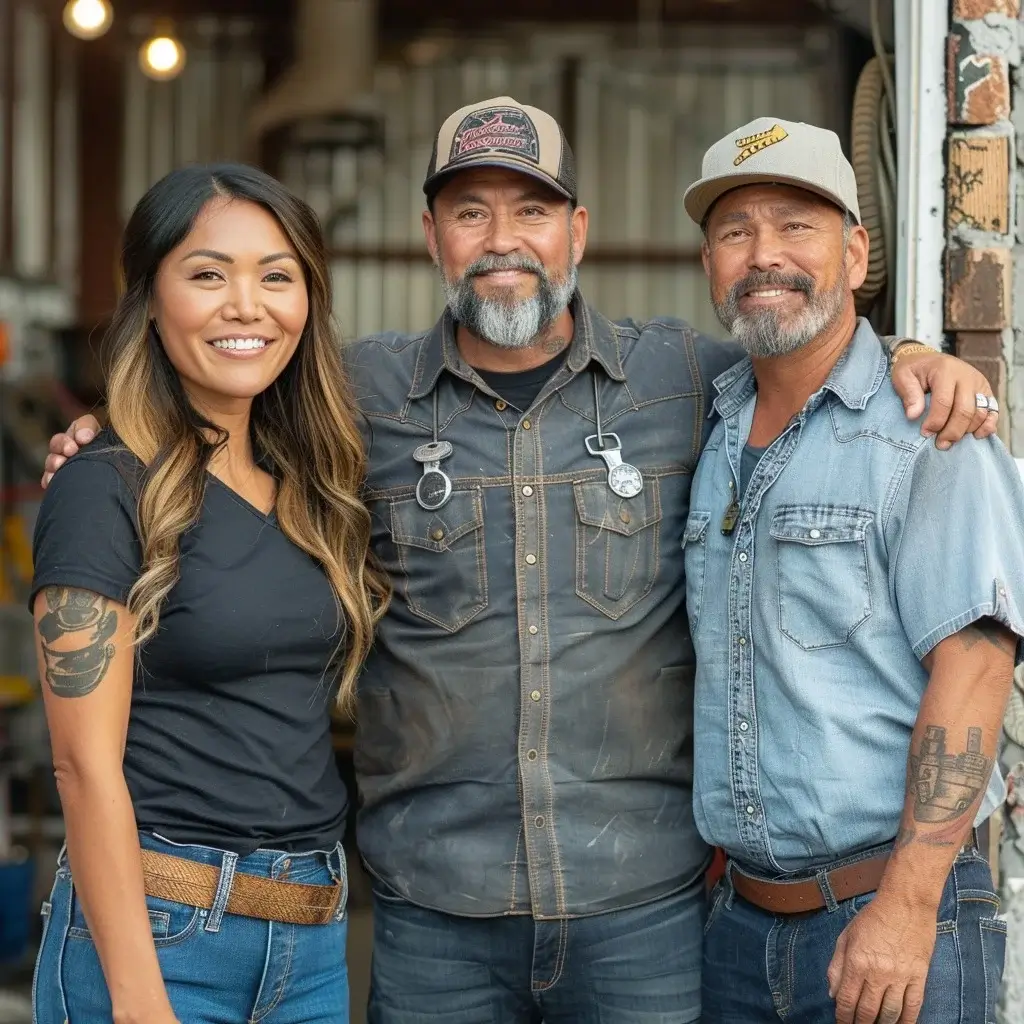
520 389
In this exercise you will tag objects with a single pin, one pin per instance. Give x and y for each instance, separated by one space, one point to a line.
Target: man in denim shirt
855 600
525 743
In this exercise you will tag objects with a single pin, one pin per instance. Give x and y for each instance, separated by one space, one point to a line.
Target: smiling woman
203 594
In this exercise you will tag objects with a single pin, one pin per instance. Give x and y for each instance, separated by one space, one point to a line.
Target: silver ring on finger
993 406
982 401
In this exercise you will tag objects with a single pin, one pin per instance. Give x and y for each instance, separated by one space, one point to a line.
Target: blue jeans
760 966
637 966
218 968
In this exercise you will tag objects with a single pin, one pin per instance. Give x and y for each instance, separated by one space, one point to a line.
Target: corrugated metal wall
38 173
198 117
641 120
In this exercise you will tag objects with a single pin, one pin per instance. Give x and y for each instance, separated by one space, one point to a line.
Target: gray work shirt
525 720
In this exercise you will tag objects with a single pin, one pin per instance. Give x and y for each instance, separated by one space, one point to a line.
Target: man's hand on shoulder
954 386
62 446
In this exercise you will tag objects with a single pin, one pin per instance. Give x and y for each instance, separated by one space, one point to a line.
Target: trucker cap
503 133
770 150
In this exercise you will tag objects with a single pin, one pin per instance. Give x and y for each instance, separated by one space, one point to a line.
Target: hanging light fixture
88 19
162 56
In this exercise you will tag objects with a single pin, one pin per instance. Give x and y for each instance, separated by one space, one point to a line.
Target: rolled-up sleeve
957 527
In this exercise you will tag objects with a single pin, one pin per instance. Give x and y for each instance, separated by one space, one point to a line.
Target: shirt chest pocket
616 545
824 587
441 560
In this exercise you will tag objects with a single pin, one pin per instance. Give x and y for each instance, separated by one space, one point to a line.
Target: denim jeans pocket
170 923
993 952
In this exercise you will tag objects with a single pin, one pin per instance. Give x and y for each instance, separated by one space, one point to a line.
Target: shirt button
437 534
625 516
527 424
743 641
531 559
539 821
535 695
744 726
533 631
531 755
500 405
528 491
815 534
750 808
743 556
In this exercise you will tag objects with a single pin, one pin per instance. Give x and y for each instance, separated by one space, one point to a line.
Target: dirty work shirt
229 739
525 738
859 547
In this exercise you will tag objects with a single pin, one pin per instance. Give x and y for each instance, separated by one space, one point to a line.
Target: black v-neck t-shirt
229 741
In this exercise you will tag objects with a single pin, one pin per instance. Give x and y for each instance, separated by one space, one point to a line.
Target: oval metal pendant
433 490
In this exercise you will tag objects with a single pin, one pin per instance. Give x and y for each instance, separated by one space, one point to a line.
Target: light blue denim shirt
858 547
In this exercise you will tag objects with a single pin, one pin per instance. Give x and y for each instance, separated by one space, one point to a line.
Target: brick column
980 187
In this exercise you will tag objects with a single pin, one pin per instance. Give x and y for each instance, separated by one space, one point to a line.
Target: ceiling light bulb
88 19
162 57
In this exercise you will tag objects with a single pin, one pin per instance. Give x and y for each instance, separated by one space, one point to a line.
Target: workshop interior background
341 99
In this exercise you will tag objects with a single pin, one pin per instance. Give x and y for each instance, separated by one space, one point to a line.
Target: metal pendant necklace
434 487
624 480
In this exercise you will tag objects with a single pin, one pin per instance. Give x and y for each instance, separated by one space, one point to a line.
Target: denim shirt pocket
442 559
824 586
694 549
616 545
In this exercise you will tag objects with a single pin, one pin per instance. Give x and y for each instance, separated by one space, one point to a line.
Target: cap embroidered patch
496 128
762 140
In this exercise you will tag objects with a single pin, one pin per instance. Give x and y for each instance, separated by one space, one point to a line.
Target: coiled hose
874 163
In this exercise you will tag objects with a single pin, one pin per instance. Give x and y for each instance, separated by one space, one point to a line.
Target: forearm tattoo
76 672
946 785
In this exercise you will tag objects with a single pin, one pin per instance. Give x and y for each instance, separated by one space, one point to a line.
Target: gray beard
509 322
767 333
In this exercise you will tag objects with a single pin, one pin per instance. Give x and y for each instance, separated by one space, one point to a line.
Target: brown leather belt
269 899
799 897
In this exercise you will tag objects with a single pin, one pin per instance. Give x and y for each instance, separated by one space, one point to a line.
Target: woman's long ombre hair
304 423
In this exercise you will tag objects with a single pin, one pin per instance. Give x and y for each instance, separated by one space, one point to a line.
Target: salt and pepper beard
505 320
769 332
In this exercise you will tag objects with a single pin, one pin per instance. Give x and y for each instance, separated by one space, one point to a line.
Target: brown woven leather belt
269 899
799 897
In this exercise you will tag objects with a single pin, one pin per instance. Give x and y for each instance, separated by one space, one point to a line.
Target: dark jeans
638 966
760 966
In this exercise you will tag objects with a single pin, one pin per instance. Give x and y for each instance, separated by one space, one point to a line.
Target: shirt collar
594 338
854 379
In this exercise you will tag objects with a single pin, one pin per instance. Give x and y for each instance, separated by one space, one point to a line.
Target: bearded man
855 600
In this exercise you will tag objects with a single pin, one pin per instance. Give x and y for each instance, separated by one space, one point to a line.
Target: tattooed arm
882 957
84 647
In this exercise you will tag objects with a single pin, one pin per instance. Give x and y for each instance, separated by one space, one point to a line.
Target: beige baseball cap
771 150
502 132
